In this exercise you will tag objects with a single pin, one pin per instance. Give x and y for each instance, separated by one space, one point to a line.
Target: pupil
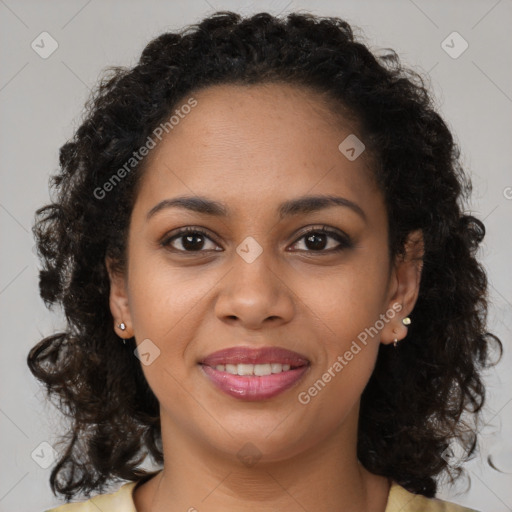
187 244
317 241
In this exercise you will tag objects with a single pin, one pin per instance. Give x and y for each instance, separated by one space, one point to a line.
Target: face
312 278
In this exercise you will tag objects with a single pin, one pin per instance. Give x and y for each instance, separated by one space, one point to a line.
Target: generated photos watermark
158 133
305 397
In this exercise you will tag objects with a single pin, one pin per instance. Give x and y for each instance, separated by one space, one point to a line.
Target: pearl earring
406 321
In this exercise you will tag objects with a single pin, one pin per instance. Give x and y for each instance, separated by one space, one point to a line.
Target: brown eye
317 240
190 240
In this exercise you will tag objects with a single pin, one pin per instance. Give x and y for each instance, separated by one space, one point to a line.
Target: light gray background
40 105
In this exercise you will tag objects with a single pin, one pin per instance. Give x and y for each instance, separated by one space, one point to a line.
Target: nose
254 296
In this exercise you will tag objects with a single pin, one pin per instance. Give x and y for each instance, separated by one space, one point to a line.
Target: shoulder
119 501
401 500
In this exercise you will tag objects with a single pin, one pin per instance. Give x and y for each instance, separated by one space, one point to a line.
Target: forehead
257 142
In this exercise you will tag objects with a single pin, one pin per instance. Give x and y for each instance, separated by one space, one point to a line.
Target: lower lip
254 387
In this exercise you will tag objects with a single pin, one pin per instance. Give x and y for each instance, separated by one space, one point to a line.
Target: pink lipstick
254 374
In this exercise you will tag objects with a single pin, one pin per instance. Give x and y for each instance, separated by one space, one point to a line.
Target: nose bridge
253 267
253 290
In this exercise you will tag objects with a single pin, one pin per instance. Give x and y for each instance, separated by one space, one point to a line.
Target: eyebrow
300 205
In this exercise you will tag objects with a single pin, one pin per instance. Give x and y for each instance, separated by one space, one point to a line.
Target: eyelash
343 240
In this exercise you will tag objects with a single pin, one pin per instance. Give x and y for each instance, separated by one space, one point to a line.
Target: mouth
254 374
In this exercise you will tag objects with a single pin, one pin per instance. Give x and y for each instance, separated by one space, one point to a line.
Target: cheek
162 295
164 317
348 305
347 352
347 300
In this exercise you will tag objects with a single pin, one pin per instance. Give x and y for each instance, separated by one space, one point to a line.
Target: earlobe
118 301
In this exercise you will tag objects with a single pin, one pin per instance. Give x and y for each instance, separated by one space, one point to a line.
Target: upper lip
245 355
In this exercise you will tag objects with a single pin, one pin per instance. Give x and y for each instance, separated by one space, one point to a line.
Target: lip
252 388
246 355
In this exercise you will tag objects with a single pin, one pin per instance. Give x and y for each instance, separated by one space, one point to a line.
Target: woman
271 287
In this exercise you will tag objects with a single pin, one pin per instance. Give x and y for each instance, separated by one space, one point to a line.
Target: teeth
253 369
245 369
262 369
276 367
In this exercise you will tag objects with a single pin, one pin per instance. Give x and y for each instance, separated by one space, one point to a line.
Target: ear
119 304
404 286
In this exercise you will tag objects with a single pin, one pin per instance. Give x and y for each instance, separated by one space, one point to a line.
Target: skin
253 148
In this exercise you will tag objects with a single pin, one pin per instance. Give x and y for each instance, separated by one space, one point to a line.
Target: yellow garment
399 500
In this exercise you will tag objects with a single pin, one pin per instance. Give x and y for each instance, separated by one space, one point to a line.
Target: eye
191 239
316 240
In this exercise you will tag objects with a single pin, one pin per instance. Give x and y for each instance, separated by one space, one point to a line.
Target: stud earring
122 326
406 321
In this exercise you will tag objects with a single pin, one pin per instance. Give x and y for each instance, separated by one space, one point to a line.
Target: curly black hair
413 406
